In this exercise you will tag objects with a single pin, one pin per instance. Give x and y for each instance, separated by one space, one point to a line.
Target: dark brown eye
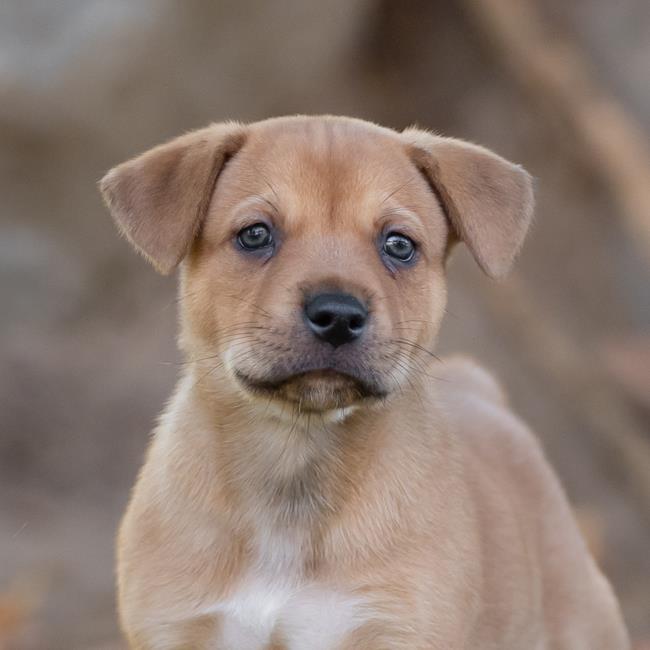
255 237
399 247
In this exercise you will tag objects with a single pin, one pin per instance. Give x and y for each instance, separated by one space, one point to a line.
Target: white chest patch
307 616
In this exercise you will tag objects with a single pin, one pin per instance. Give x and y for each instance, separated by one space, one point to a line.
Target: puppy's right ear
160 198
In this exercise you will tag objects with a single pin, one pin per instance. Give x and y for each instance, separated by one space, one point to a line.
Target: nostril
323 319
356 323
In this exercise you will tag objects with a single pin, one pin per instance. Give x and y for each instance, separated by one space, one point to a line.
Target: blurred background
87 352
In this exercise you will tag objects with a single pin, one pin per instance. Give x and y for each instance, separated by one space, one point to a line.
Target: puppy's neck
279 459
279 464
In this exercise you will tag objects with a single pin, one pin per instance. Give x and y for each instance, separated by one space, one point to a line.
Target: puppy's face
314 264
318 277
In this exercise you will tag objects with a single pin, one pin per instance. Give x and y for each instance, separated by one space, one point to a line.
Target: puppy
319 480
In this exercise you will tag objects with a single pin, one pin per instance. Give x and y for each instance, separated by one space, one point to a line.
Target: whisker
248 302
417 346
419 369
269 185
415 320
397 189
244 355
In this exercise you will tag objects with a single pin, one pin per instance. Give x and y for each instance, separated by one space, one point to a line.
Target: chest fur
304 616
273 601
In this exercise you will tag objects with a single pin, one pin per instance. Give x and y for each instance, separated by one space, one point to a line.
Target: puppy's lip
273 384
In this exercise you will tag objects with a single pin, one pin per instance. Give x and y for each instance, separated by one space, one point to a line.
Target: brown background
87 352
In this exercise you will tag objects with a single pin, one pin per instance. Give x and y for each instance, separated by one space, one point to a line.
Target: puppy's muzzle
335 318
329 362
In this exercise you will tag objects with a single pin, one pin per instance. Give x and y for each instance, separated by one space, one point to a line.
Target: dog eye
255 237
399 246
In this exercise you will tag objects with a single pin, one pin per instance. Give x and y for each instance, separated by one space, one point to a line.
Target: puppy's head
314 248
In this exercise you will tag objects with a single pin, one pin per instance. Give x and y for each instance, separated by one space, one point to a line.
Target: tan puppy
318 481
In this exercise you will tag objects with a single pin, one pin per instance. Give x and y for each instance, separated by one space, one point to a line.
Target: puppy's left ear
160 198
488 200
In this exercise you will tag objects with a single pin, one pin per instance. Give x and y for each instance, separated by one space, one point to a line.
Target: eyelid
403 221
250 219
252 210
400 231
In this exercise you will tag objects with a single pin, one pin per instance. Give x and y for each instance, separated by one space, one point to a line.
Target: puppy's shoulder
475 407
463 377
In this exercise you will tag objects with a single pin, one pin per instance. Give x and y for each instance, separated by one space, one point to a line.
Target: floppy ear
488 200
159 199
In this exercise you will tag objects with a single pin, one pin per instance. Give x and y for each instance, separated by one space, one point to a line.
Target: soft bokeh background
87 352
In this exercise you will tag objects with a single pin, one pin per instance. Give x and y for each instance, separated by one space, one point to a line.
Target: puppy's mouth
317 389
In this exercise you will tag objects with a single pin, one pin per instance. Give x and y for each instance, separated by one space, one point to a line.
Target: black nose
336 318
